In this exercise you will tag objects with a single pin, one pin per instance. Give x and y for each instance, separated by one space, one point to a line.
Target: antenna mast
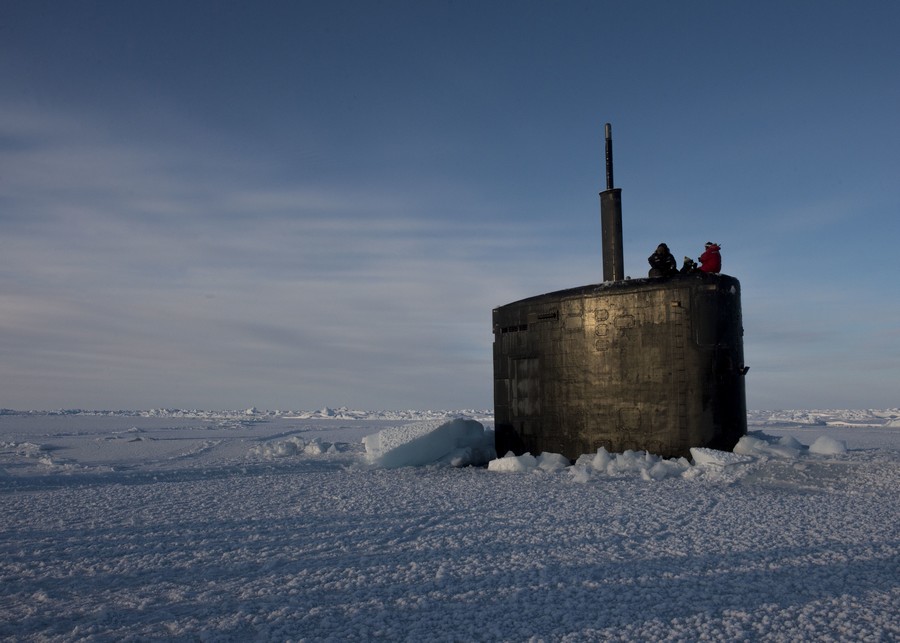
611 220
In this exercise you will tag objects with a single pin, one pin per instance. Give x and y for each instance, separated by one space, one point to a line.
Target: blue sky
299 204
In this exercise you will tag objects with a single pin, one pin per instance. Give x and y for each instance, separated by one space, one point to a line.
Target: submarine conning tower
651 364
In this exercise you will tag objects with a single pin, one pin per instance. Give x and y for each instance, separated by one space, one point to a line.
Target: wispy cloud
117 264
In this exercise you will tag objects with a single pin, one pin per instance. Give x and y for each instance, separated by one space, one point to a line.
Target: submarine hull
654 365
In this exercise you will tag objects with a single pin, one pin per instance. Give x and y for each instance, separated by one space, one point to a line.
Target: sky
291 205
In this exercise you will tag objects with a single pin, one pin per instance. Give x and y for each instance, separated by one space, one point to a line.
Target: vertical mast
611 220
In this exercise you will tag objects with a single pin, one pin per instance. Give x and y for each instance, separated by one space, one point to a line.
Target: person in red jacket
711 260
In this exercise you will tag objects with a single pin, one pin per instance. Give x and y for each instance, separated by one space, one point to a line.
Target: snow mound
825 445
552 462
512 463
630 463
760 445
459 443
526 463
291 446
295 446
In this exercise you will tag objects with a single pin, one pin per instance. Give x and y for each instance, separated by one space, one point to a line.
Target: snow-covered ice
459 442
281 526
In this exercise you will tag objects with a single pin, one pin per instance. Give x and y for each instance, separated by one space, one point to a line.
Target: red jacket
711 260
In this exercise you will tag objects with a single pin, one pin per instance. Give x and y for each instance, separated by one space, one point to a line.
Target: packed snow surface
276 526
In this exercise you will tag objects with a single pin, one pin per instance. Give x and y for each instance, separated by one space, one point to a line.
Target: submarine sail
653 364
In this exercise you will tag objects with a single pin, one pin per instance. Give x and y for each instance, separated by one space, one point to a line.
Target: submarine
649 364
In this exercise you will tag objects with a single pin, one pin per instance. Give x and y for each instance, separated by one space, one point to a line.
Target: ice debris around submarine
705 463
464 442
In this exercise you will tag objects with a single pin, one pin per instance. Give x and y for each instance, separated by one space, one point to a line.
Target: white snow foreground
137 528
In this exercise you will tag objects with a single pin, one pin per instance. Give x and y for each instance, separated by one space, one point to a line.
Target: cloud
125 279
174 266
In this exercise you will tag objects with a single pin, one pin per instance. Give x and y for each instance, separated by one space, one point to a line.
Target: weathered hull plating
642 364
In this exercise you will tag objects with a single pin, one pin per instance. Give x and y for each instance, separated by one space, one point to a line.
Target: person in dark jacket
662 263
711 260
689 266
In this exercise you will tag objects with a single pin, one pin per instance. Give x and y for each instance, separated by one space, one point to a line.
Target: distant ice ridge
343 413
826 417
324 413
761 418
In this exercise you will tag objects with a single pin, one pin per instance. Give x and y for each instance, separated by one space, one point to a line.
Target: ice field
273 527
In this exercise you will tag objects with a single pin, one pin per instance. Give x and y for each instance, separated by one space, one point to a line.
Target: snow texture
260 526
